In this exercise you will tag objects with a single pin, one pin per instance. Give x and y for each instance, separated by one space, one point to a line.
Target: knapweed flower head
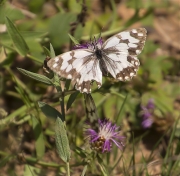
101 140
91 45
147 113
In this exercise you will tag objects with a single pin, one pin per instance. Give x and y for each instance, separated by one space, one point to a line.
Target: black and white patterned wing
91 111
120 53
81 66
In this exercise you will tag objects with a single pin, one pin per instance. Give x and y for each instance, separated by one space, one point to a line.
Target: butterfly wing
91 111
120 53
80 65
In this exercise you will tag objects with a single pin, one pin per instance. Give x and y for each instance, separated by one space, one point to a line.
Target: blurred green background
27 136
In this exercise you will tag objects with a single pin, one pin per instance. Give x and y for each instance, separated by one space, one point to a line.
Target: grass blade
73 39
46 51
71 99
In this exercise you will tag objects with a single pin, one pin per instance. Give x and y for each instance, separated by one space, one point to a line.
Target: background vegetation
27 144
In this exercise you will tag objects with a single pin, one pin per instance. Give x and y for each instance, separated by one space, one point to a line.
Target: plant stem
62 100
119 119
62 105
68 169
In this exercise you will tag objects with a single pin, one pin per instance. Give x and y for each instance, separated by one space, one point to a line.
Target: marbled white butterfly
117 57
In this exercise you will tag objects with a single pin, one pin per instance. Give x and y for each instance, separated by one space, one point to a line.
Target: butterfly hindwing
91 112
126 42
122 70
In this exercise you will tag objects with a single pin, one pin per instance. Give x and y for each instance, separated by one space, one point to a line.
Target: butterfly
116 57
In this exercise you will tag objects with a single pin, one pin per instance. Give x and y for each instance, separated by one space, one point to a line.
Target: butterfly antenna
99 36
91 41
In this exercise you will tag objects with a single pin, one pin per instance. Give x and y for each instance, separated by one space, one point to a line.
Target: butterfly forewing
126 42
80 65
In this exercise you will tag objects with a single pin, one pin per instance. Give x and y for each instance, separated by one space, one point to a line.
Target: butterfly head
94 45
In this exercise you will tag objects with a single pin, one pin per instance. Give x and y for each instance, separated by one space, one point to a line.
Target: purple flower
147 114
102 139
147 123
92 45
81 46
150 104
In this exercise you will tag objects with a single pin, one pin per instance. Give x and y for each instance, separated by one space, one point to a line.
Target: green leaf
46 51
68 82
49 111
36 76
28 35
62 142
16 37
52 52
73 39
39 138
71 99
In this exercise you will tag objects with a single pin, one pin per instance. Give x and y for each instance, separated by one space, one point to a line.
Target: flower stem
68 169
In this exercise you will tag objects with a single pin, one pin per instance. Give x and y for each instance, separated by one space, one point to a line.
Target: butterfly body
117 56
98 53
